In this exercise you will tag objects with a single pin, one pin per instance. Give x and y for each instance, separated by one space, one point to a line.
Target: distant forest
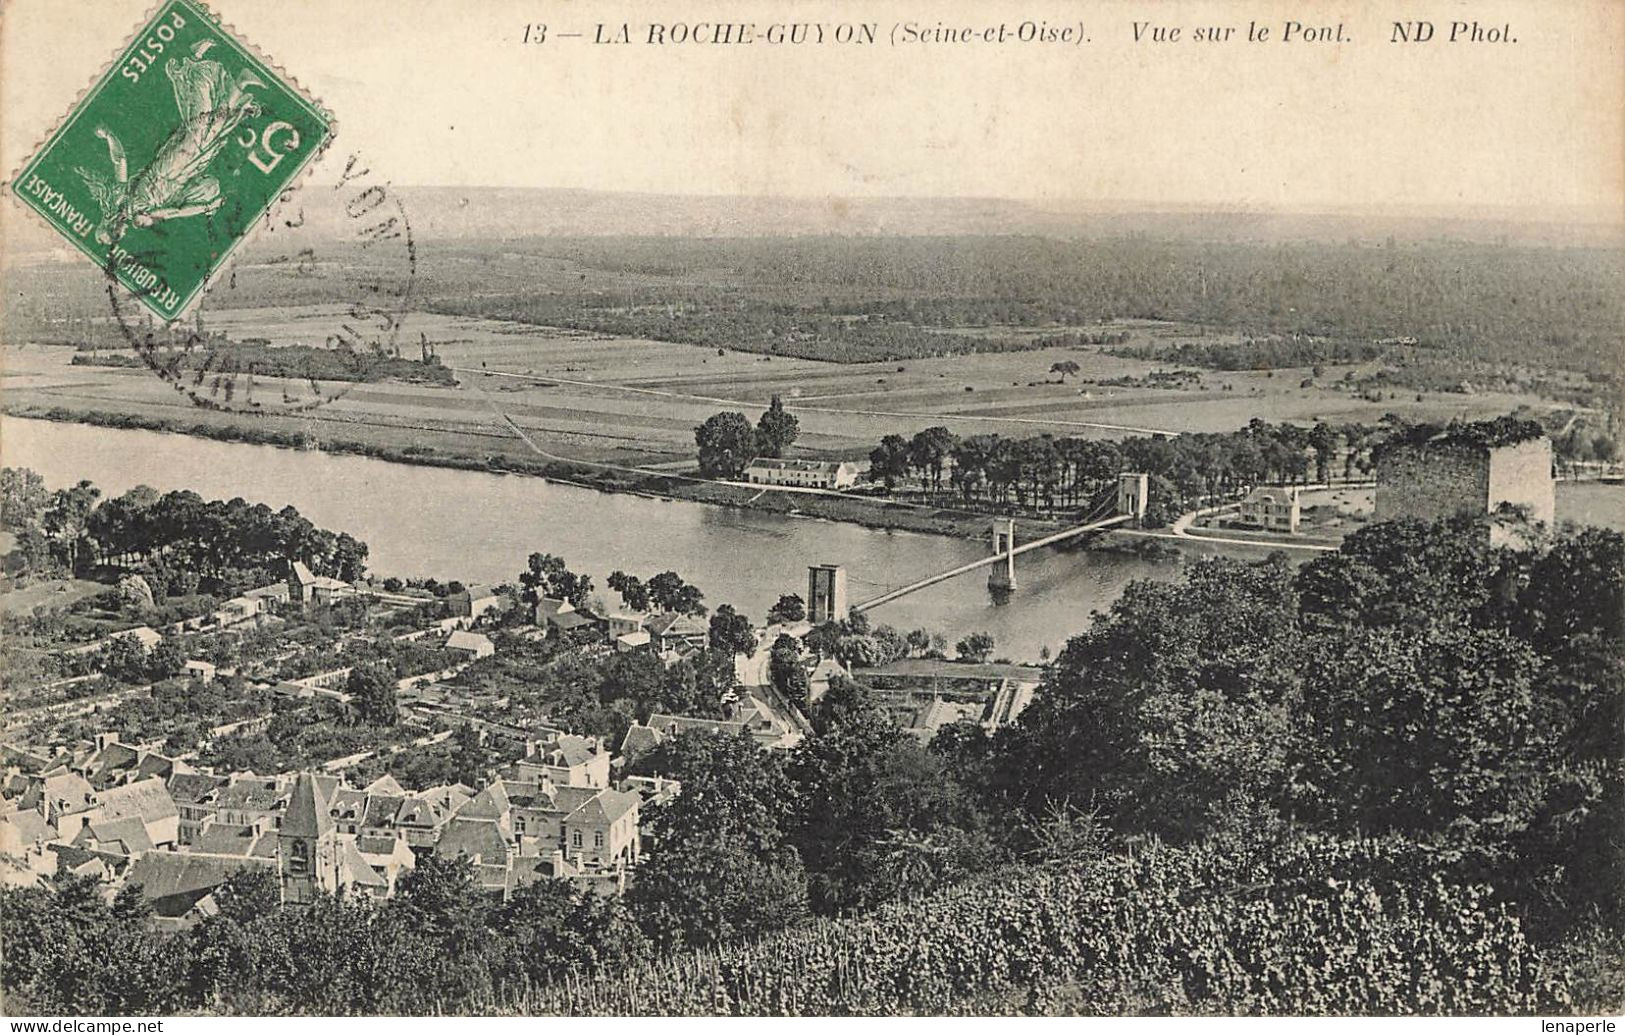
872 299
869 299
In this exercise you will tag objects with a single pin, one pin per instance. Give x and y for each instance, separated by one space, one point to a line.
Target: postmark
347 245
189 144
173 156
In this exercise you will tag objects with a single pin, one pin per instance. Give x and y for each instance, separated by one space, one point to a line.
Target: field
596 398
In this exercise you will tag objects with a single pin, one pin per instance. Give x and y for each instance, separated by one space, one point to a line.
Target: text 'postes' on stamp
173 156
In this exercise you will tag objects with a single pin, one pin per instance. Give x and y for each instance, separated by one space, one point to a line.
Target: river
479 527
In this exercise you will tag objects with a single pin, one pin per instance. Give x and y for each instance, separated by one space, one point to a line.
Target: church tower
307 846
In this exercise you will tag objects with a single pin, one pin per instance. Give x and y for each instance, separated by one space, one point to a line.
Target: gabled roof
639 740
24 759
764 463
420 812
111 762
174 883
568 750
355 869
249 794
571 620
347 805
383 848
490 804
604 808
230 839
148 799
307 814
125 836
669 724
670 623
386 784
548 606
479 839
301 573
154 764
462 639
27 826
70 790
382 809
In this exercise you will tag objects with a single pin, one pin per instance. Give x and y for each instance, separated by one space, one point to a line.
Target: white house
812 474
1272 508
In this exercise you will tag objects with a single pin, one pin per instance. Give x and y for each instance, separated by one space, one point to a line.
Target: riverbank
877 514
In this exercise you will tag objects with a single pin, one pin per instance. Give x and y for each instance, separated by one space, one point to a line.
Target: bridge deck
997 558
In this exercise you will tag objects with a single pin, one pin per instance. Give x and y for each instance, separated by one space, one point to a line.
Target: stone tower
826 593
307 846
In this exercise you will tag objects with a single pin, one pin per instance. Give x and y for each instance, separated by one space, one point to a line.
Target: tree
634 594
1170 704
727 444
668 592
124 658
928 451
372 689
785 669
789 610
976 647
888 462
67 518
776 429
166 661
1423 730
23 498
1323 440
546 576
731 632
716 866
551 928
877 815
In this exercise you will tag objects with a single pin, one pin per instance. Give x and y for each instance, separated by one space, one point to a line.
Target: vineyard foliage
1316 927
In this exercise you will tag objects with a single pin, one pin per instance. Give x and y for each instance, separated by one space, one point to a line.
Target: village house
473 602
181 887
813 474
626 630
564 759
305 589
749 714
238 610
200 670
1272 508
472 645
147 800
144 635
115 762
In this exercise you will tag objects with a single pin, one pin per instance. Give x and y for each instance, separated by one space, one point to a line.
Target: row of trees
728 443
1047 474
219 543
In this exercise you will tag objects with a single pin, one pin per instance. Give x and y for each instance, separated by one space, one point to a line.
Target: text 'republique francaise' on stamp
173 156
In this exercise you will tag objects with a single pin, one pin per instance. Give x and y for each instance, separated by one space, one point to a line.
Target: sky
448 94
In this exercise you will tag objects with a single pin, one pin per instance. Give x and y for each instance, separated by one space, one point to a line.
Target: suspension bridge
828 585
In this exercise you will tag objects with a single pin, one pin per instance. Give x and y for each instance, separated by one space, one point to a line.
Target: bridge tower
1132 490
1001 581
826 593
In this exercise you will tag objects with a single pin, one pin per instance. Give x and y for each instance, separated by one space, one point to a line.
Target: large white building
812 474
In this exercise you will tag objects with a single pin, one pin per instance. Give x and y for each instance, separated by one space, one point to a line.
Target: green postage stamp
175 153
